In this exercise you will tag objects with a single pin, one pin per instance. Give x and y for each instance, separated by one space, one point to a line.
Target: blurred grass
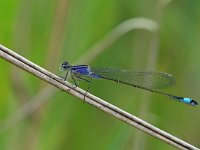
48 32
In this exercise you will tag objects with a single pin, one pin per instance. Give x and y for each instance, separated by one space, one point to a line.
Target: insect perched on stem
150 81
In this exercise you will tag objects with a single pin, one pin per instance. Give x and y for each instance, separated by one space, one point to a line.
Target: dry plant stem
54 80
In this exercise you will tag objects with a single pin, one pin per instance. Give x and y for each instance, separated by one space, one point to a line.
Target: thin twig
56 81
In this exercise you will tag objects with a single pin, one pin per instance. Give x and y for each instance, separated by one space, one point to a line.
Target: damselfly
150 81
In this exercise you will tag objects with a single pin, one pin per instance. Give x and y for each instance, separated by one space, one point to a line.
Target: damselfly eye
65 65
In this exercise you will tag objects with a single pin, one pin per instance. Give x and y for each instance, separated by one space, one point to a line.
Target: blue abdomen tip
189 101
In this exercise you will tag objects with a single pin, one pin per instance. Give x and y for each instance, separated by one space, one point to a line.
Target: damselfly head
64 66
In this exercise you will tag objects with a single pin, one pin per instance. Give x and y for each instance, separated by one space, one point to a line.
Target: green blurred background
36 116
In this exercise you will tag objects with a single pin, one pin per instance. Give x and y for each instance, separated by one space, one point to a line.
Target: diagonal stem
118 113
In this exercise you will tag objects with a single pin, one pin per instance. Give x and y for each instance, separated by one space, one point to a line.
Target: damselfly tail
185 100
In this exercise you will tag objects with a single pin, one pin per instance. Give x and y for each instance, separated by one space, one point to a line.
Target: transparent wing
140 79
